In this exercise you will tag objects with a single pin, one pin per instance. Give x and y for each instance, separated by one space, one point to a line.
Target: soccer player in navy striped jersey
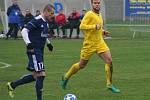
35 35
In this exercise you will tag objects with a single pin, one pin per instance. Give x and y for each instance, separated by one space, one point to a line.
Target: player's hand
30 48
106 33
98 26
50 47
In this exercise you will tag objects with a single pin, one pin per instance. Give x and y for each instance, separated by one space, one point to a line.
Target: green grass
131 69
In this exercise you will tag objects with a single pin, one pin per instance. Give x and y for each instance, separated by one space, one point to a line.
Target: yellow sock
74 68
109 70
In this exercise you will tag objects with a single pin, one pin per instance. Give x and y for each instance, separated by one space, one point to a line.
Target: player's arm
106 33
85 22
25 34
9 11
49 45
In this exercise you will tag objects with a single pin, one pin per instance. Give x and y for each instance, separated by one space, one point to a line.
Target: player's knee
82 65
108 61
39 74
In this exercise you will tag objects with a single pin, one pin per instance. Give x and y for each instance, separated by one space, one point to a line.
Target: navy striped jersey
38 31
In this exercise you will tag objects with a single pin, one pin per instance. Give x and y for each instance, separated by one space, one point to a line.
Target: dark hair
48 7
91 1
83 10
37 10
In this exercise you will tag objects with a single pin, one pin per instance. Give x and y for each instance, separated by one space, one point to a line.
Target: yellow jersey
88 26
93 39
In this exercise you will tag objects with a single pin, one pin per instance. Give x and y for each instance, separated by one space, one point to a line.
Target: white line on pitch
5 65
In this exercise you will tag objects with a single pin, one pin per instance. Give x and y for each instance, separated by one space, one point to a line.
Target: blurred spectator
82 14
61 22
52 26
37 13
28 17
74 21
21 21
13 17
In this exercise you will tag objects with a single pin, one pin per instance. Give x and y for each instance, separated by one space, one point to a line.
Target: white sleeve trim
24 33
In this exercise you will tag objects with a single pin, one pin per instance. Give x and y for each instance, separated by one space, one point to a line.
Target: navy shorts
36 60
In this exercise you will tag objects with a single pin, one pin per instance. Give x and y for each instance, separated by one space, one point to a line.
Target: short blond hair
48 7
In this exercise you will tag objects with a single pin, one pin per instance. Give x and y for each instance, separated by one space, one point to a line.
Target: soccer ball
70 97
2 36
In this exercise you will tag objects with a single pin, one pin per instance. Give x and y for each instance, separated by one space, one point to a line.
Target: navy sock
23 80
39 87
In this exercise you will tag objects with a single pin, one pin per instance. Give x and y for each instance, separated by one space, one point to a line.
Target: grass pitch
131 69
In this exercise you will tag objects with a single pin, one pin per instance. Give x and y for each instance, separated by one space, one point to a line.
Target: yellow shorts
88 50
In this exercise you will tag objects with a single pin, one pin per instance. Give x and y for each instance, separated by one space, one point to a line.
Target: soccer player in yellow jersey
92 26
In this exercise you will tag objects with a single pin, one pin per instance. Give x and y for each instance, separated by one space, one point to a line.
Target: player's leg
106 56
23 80
52 33
78 32
26 78
16 29
39 83
64 32
85 55
71 31
10 30
39 71
73 69
58 31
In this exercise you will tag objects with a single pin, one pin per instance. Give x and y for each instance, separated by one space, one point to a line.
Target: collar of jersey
42 18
